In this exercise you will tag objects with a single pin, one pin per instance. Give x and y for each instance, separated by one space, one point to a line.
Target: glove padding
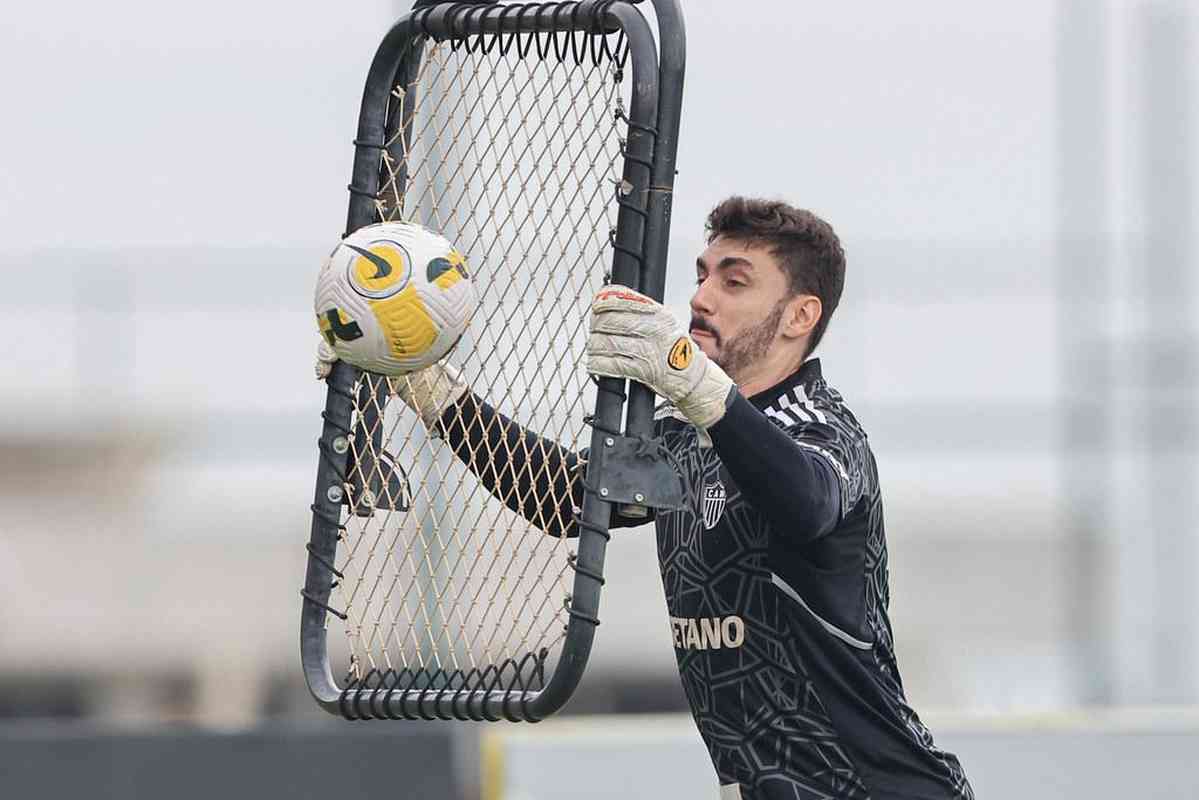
636 338
325 359
428 392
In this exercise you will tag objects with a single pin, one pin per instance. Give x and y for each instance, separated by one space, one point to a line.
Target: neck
769 371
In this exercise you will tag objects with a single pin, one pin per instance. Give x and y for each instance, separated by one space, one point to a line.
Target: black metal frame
640 246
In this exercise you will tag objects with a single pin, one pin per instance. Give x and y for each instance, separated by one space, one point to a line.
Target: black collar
807 375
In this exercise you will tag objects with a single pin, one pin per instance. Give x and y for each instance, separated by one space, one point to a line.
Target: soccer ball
393 298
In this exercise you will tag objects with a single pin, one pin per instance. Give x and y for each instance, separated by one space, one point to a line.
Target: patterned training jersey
782 636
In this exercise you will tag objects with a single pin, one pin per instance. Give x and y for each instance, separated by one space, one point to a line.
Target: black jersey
779 620
775 575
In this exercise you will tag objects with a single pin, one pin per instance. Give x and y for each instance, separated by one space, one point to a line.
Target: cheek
738 314
746 317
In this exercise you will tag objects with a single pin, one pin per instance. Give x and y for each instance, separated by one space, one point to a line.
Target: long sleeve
532 476
791 485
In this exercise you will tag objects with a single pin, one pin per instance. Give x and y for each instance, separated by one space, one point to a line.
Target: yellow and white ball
393 298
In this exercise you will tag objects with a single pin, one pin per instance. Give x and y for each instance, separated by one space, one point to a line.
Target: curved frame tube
639 260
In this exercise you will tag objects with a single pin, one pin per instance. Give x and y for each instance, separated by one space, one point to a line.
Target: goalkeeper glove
325 359
635 337
428 392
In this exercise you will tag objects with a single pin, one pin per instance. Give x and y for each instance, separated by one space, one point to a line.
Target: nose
701 301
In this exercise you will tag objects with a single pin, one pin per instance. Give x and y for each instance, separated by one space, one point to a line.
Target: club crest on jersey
713 504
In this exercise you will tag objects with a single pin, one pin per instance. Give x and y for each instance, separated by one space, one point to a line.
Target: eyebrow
726 262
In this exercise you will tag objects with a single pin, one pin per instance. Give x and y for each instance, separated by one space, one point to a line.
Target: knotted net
511 146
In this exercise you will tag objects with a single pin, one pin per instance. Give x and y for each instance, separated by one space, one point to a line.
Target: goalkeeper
775 571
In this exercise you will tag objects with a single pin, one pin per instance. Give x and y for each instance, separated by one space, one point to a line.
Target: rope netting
516 158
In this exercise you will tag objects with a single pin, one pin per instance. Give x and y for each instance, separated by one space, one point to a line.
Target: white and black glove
428 392
325 359
635 337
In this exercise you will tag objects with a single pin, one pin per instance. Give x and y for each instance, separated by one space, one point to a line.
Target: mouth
700 327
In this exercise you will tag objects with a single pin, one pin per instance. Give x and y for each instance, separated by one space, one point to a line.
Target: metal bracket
392 494
637 472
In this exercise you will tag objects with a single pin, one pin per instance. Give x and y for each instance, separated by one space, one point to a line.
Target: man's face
740 296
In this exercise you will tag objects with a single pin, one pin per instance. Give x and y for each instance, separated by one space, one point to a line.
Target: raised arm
533 476
790 485
634 337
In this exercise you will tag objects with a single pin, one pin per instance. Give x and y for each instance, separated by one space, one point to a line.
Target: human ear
802 314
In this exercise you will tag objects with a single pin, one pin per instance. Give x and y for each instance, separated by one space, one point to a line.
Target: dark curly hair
805 245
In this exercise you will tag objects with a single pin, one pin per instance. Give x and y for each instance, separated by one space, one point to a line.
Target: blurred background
1015 186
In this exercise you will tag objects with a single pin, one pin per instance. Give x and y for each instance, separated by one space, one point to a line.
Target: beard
740 353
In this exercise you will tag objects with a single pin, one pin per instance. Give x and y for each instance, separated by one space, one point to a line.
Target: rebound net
513 145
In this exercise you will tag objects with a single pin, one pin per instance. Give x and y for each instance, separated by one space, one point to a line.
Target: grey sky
230 123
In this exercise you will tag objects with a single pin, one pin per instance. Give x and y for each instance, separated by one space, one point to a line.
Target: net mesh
517 161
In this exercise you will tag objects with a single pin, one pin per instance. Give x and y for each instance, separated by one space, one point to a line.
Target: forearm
792 487
530 475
